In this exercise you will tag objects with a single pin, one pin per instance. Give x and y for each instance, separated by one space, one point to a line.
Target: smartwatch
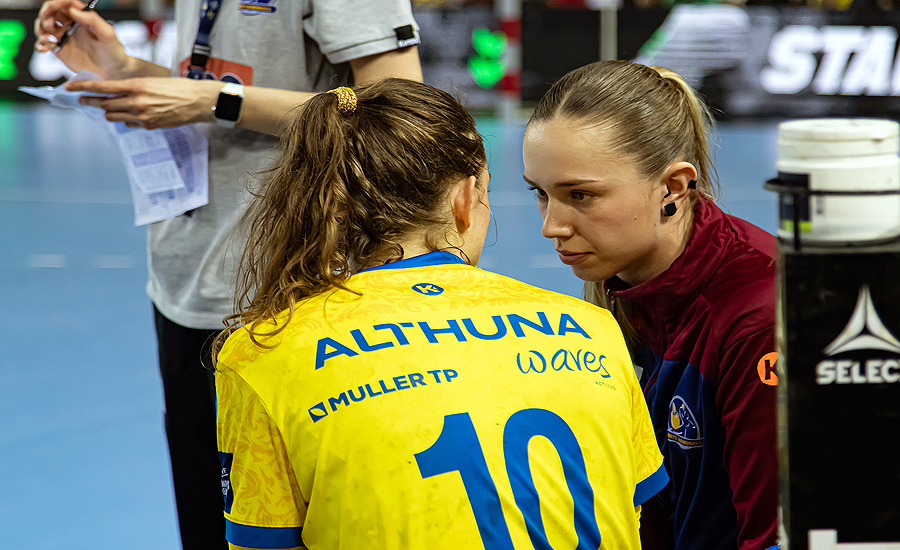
229 104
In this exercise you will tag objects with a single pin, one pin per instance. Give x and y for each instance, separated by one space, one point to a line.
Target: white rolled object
851 170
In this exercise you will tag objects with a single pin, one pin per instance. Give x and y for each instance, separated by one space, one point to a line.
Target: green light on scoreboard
487 66
12 32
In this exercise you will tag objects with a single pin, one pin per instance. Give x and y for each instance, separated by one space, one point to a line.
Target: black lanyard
201 51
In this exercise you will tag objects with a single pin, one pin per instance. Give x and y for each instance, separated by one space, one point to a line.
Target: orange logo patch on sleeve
768 373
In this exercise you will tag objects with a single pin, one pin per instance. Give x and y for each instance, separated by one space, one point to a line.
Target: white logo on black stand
864 331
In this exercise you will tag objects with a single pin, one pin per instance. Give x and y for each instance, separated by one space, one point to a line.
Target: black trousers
189 392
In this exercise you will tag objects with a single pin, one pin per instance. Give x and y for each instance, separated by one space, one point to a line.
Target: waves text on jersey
388 335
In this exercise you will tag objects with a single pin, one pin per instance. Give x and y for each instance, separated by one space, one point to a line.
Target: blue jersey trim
262 537
439 257
650 486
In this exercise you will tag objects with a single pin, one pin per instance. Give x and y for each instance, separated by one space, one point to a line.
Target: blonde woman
617 155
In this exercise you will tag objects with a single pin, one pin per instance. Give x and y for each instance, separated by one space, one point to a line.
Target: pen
74 26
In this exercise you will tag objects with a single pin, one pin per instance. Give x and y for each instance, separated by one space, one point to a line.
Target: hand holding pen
81 39
74 26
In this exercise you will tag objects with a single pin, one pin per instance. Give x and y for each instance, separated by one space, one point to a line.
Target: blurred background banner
783 60
787 60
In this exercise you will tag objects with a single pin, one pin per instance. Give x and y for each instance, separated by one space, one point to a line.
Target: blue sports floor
83 462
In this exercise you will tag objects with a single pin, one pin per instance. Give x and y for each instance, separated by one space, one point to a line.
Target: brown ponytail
346 189
652 117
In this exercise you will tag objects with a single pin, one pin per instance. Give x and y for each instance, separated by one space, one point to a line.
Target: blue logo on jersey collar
439 257
428 289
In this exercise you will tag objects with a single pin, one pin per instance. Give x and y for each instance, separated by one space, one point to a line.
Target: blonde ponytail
703 124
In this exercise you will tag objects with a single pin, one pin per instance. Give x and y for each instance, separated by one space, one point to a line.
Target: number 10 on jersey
457 449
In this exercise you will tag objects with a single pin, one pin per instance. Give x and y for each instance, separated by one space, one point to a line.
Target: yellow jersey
441 407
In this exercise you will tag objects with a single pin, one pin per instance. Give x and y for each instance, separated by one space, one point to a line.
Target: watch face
228 107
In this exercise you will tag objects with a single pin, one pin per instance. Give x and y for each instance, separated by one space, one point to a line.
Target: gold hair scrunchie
346 100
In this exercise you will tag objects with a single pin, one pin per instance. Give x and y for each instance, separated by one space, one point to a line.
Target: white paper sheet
189 150
167 168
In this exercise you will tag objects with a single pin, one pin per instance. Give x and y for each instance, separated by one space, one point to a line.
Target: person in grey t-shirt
247 69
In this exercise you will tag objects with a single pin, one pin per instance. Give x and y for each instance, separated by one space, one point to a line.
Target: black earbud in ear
670 208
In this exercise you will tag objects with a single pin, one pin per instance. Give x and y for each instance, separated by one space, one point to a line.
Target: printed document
167 168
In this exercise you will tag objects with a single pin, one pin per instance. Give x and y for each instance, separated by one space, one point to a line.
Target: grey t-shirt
286 44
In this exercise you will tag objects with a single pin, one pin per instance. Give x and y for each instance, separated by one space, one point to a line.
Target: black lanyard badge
201 51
